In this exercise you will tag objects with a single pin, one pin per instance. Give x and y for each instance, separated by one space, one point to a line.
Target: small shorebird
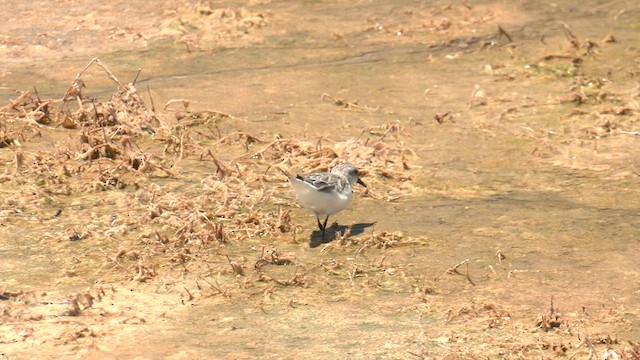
326 193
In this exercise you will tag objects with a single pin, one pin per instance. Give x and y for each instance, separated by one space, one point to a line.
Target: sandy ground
148 218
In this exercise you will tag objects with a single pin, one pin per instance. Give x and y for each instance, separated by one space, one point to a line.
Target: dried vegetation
118 174
169 221
154 219
597 122
205 26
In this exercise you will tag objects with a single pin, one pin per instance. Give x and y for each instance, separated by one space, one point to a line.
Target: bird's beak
361 182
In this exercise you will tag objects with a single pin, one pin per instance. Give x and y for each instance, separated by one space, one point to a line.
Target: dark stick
136 78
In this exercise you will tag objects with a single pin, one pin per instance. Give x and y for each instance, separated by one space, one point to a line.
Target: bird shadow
335 229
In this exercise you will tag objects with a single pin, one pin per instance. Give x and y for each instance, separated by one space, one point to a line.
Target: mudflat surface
143 213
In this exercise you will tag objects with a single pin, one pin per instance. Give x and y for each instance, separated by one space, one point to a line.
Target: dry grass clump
106 132
599 134
51 317
375 157
205 26
594 123
28 305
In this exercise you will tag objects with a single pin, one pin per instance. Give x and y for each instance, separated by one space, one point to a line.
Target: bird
326 193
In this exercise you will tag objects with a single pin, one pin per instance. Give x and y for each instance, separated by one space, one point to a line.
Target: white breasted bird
326 193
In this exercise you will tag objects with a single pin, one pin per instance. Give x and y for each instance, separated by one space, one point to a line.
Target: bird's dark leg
321 226
324 226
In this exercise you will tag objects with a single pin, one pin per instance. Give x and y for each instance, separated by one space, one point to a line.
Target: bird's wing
323 181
